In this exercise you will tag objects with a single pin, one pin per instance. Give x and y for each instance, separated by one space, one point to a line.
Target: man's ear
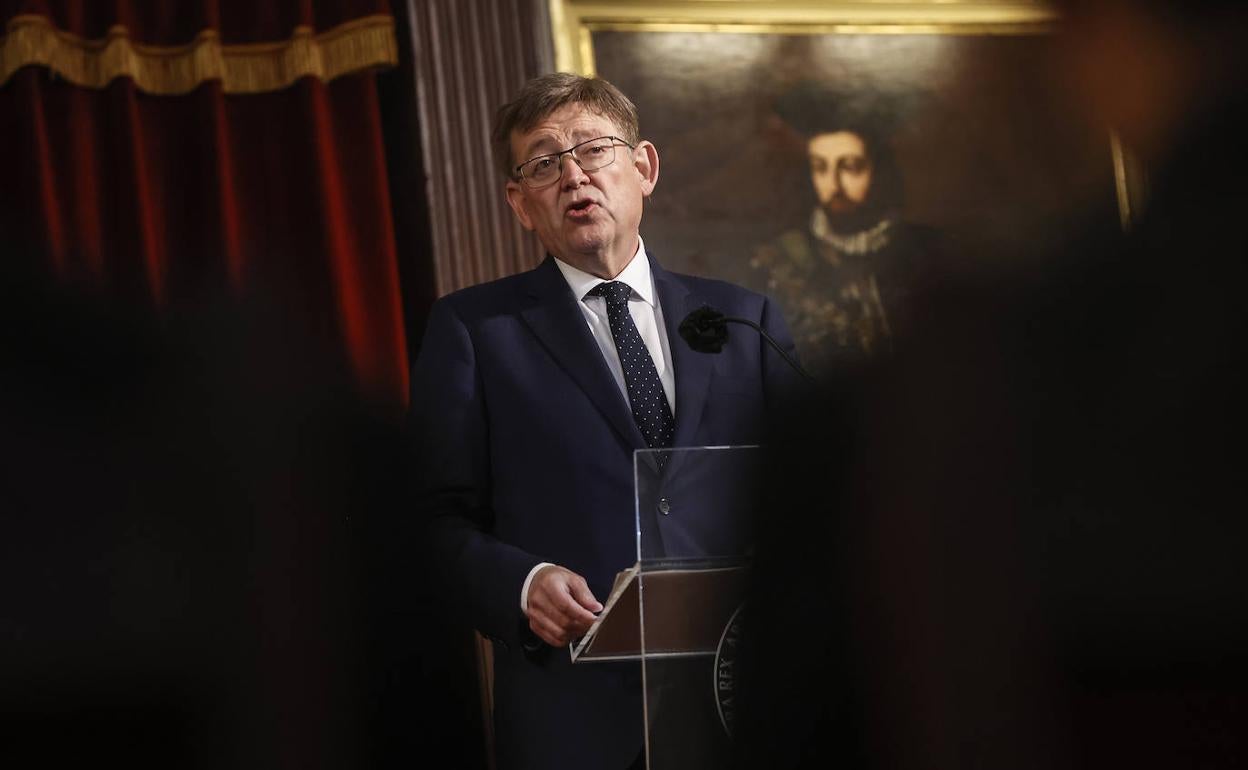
646 161
515 199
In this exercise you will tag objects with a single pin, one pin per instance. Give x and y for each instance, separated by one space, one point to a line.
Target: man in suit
531 394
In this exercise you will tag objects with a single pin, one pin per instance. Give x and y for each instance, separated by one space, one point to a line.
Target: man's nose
837 185
573 174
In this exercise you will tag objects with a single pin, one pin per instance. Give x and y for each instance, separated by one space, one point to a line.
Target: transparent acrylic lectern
679 609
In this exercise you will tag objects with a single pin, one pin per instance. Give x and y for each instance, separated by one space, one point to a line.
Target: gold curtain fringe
360 44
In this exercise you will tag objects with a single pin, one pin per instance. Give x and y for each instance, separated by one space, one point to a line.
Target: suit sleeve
479 575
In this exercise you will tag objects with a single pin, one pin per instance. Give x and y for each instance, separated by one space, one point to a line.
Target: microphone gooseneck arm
787 358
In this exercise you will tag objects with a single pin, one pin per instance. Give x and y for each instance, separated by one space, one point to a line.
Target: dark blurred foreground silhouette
1021 541
202 527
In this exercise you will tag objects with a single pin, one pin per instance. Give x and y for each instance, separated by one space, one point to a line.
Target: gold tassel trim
360 44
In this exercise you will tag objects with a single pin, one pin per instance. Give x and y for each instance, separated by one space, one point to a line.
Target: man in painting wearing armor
845 277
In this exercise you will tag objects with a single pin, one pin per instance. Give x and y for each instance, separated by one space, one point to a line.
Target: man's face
840 171
588 219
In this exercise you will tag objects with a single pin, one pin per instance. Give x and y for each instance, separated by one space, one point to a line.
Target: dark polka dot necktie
645 390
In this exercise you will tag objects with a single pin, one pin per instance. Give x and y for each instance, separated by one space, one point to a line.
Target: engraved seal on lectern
727 683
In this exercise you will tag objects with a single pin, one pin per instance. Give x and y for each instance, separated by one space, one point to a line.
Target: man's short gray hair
545 94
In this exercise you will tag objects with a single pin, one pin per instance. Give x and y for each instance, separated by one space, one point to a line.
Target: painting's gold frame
574 21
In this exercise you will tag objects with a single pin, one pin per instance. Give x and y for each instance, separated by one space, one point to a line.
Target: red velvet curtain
162 22
166 199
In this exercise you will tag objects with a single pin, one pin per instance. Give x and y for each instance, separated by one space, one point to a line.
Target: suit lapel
557 322
693 369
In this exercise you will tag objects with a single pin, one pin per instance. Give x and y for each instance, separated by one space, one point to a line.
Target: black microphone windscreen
705 330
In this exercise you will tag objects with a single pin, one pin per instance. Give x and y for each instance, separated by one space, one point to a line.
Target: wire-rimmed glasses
590 155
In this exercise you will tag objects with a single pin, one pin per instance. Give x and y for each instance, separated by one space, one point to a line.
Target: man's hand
561 606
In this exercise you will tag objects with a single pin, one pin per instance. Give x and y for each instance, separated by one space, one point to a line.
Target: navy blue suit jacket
527 456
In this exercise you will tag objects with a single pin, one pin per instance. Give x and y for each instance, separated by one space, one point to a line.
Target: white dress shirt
643 305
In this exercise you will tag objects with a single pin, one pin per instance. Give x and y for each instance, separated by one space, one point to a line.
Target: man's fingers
564 593
557 628
572 612
561 606
549 632
564 614
545 633
584 597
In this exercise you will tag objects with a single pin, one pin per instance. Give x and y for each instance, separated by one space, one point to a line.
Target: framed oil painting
830 154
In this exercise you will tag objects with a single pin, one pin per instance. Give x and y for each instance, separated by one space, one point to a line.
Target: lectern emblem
726 679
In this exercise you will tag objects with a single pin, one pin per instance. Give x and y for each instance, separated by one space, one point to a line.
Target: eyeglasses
590 155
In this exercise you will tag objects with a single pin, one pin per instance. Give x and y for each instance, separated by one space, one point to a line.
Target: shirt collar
637 275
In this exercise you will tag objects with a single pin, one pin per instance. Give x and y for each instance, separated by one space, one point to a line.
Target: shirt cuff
524 590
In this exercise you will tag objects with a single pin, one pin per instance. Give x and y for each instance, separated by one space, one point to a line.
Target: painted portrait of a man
845 276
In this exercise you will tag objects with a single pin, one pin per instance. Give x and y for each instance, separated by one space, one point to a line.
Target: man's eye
597 149
855 165
543 164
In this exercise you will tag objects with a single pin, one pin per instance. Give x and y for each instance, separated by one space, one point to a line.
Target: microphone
706 331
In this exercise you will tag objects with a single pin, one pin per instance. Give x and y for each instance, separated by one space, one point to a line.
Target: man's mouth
580 208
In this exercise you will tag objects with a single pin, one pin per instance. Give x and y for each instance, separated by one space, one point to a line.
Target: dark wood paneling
471 56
